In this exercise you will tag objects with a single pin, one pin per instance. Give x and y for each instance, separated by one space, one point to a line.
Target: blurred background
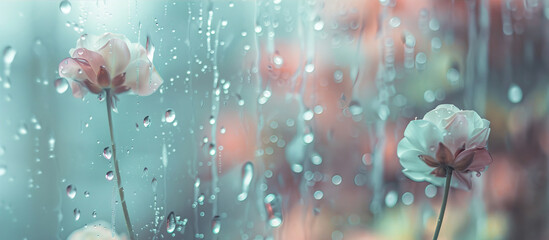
277 119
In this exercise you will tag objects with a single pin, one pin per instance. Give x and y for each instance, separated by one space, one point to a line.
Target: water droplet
147 121
319 25
200 199
278 61
247 176
3 170
355 108
430 191
394 22
336 180
391 199
216 225
170 223
407 198
65 7
61 85
310 68
318 195
86 194
149 46
170 115
154 184
9 55
274 210
71 191
107 153
338 76
23 130
264 97
76 214
515 93
109 176
421 60
94 214
211 149
308 115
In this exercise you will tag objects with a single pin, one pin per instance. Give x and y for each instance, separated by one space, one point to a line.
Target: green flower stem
116 168
444 200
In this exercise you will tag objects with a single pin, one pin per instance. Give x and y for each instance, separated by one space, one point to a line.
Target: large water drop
170 223
109 176
71 191
216 225
170 115
65 7
61 85
247 176
274 210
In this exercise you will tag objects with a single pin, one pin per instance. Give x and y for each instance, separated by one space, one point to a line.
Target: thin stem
116 168
444 200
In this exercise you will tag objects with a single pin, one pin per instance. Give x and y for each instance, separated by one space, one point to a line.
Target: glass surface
275 119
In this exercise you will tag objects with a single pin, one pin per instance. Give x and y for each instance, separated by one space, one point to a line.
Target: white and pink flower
109 61
446 138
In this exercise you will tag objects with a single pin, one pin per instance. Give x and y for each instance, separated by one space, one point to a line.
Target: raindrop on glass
336 180
147 121
76 214
61 85
407 198
154 184
94 214
9 55
430 191
109 176
338 76
391 199
515 93
278 61
216 225
247 175
3 170
107 153
71 191
170 115
274 210
355 108
65 7
86 194
170 223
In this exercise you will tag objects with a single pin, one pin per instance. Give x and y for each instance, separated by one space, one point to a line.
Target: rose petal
106 37
88 42
78 91
140 79
94 59
481 160
103 77
440 113
118 80
423 135
424 176
478 138
463 180
94 88
457 129
408 156
76 69
464 160
444 156
116 55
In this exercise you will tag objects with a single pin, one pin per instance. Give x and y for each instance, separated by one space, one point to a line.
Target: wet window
274 119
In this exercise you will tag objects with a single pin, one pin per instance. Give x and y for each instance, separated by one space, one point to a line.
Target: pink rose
109 61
